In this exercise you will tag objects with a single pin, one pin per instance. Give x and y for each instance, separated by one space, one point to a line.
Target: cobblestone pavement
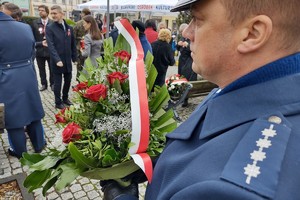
82 188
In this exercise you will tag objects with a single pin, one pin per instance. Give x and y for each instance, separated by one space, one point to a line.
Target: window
63 1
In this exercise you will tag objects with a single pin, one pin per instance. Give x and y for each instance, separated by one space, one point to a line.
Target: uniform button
275 119
28 61
8 65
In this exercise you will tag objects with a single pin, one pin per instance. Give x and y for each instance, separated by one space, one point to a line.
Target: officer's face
212 41
56 15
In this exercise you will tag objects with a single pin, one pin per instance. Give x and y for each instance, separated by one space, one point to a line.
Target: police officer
61 42
242 141
18 86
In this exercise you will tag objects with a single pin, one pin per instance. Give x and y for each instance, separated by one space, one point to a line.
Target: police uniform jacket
62 47
39 32
241 143
18 84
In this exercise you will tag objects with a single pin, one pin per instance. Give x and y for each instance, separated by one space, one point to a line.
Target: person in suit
93 39
18 86
242 141
163 55
42 51
62 47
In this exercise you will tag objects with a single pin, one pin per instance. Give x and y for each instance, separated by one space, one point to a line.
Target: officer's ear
255 33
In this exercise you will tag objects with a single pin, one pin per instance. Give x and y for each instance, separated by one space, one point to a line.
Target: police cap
182 5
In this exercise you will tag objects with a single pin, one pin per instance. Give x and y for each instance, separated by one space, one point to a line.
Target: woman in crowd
150 30
93 39
163 55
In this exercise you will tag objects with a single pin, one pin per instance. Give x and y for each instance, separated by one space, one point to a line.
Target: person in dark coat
42 52
114 33
137 24
18 86
185 59
62 48
163 55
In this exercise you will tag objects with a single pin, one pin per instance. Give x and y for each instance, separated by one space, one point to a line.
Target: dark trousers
41 62
57 86
17 138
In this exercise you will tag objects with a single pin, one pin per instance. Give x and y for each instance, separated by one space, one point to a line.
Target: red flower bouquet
99 129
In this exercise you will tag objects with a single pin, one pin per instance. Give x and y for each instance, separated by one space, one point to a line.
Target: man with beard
42 51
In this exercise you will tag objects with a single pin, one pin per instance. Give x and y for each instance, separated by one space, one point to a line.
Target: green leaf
152 74
122 44
80 159
50 183
30 159
169 127
117 86
36 179
46 163
165 118
160 99
114 172
110 157
125 87
69 173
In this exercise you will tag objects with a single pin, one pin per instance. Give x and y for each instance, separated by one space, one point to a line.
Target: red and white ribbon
138 99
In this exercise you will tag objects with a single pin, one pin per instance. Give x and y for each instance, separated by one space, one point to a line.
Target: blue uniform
241 143
18 84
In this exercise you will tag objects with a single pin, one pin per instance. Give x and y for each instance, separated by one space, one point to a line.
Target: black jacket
39 35
163 58
62 46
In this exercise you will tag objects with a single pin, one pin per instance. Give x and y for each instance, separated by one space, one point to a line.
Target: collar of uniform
248 103
282 67
4 17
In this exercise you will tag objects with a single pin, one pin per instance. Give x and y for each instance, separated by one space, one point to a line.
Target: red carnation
71 133
80 86
123 55
116 75
94 92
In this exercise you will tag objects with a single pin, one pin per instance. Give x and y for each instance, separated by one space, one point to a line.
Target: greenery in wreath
97 128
